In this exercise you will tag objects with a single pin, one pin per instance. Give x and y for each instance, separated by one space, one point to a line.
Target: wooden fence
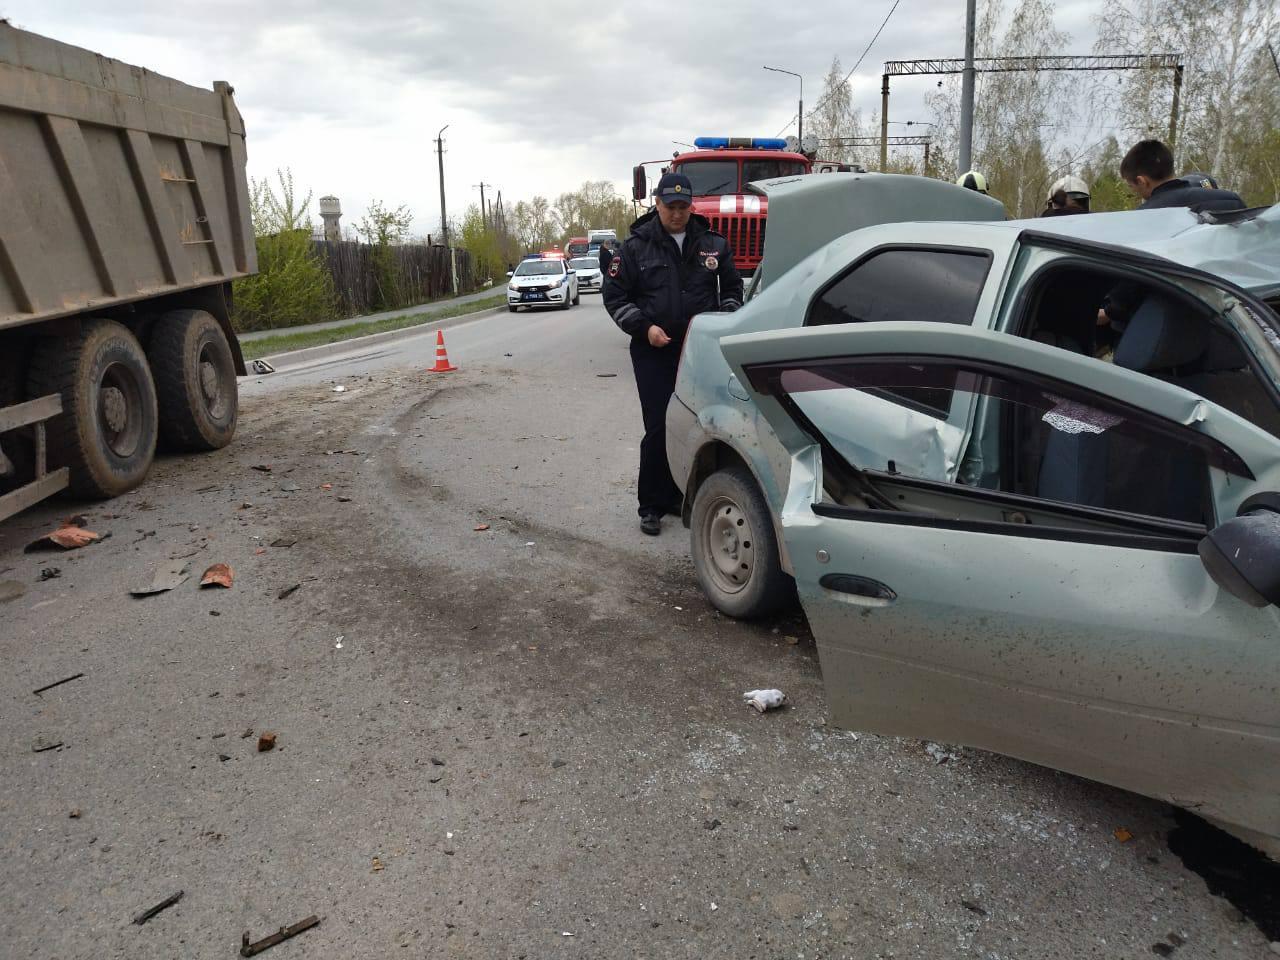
421 272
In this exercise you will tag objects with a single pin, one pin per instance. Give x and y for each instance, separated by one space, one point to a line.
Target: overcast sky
538 96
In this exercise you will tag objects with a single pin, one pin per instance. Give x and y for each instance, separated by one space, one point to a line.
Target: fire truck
576 247
719 168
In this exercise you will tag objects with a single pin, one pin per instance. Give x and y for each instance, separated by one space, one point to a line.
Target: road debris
266 741
164 904
710 824
261 467
248 949
50 573
605 376
337 643
43 745
287 591
973 907
326 486
167 576
218 575
378 865
261 366
283 542
57 683
11 590
480 527
940 753
290 487
764 700
1122 834
66 537
339 389
75 814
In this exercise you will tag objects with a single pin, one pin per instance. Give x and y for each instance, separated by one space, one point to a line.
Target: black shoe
675 508
651 524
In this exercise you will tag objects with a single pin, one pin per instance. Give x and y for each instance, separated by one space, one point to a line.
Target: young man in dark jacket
1148 170
672 266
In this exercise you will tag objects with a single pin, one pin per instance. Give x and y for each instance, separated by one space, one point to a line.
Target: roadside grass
285 342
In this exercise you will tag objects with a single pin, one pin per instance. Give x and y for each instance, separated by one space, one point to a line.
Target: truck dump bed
116 184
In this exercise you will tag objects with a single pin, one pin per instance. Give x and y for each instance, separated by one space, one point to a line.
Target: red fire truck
719 170
576 247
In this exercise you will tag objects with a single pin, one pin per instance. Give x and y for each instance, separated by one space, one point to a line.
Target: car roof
808 211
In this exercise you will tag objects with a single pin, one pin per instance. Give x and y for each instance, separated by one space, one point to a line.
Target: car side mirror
1242 555
511 273
639 184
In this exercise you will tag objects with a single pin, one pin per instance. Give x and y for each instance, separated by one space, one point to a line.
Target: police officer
607 249
672 266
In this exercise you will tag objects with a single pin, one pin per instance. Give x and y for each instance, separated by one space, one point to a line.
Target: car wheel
577 297
567 302
511 309
735 551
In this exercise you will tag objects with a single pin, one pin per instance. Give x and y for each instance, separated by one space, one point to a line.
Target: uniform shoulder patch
614 266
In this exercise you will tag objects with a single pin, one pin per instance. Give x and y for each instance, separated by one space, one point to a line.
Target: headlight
513 288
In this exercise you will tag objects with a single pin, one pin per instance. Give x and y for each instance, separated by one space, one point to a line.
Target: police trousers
655 370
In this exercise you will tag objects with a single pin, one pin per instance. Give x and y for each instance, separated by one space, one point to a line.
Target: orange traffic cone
442 357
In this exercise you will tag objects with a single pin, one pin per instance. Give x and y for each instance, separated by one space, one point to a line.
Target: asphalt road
522 741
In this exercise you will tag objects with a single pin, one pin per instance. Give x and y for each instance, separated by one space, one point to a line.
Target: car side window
935 285
1032 437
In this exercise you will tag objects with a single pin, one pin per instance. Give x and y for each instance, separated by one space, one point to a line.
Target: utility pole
484 214
444 217
800 115
966 87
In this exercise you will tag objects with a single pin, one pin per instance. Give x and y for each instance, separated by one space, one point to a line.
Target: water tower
331 213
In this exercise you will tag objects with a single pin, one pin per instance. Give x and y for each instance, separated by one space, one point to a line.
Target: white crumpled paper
764 700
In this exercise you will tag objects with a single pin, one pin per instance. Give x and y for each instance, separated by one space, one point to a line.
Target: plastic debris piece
378 865
326 486
480 527
218 575
66 537
266 741
167 576
1122 834
940 753
339 389
43 744
261 366
763 700
337 643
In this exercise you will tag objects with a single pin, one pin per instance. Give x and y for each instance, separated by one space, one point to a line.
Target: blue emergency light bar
739 143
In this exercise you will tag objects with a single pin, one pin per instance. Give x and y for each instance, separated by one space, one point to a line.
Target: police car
589 274
542 280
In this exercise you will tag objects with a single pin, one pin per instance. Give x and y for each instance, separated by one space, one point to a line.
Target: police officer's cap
1198 179
674 188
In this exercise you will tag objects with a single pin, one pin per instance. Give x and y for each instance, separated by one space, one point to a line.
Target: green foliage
483 242
292 285
382 227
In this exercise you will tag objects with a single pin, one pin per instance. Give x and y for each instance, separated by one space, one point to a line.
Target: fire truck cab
719 170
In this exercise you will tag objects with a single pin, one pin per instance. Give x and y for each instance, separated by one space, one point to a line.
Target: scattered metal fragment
57 683
287 591
283 542
41 745
604 376
266 741
344 499
261 467
50 573
164 904
248 949
261 366
167 576
218 575
247 734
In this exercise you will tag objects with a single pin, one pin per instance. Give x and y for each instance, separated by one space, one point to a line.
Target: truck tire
735 550
195 379
106 434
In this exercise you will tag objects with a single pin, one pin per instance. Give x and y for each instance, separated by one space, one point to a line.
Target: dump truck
125 219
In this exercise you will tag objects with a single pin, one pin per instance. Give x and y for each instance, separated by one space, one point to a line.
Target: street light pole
444 217
800 116
966 88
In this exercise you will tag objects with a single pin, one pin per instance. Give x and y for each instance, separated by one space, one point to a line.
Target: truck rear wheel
106 434
195 378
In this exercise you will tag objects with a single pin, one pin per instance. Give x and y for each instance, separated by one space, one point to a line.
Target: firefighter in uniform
672 266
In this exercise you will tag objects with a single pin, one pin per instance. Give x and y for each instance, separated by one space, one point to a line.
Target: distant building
331 213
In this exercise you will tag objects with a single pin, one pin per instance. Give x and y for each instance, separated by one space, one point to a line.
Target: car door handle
860 590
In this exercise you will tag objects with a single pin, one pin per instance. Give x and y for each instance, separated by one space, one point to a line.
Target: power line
821 103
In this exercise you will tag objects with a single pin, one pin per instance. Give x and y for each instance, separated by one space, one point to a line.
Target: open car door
1045 600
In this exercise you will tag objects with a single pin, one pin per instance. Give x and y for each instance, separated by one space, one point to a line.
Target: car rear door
1054 608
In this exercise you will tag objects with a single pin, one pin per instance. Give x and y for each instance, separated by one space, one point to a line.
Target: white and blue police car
542 280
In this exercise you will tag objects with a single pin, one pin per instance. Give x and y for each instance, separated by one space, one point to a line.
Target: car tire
511 309
107 431
195 377
577 297
735 549
568 302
